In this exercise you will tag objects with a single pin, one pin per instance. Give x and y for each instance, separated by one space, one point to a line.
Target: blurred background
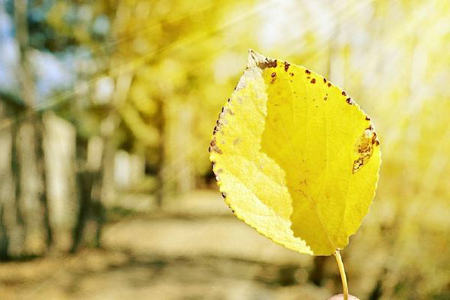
106 112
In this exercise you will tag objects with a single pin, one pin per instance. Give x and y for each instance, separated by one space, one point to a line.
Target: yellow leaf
295 157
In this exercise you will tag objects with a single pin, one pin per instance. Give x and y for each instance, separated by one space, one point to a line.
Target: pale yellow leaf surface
295 157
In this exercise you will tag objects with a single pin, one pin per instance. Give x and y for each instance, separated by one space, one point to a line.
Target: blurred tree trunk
95 178
185 174
107 192
11 236
31 192
6 186
161 177
59 147
31 188
178 165
88 177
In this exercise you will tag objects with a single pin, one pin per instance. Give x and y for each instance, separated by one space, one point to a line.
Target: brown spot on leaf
286 66
329 84
213 146
218 126
343 93
324 80
367 118
374 139
273 74
224 195
268 63
313 80
364 148
307 71
357 164
349 101
292 74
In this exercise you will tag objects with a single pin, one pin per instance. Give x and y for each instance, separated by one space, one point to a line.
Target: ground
194 250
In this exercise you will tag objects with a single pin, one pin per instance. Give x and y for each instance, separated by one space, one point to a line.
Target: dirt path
175 255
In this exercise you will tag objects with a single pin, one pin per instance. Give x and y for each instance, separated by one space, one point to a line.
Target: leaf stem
340 264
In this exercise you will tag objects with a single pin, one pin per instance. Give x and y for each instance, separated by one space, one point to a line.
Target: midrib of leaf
315 209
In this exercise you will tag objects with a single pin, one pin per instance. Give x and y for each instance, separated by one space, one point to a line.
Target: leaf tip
257 60
254 58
